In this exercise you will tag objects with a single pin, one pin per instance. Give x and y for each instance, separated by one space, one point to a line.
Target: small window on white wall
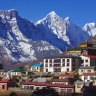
67 64
82 71
86 60
67 60
67 69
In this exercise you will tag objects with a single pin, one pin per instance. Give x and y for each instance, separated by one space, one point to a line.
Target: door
2 86
46 70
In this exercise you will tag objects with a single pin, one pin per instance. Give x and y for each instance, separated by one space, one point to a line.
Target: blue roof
37 65
9 71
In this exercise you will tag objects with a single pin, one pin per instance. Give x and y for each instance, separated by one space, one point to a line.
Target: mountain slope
21 40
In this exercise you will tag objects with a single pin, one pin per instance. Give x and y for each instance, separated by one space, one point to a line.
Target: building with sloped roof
61 88
6 83
84 49
86 69
79 85
89 77
37 68
17 72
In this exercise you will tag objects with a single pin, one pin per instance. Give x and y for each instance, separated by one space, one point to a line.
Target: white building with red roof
60 81
89 77
88 60
61 88
86 69
85 60
6 83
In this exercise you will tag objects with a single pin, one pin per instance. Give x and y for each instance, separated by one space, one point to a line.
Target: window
82 61
51 61
31 87
67 69
86 61
63 65
26 87
69 90
46 65
4 87
67 60
46 70
50 65
46 61
79 86
92 78
63 60
81 70
89 71
67 64
63 91
37 88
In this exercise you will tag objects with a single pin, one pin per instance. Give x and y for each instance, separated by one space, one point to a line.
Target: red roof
41 84
90 56
29 83
7 81
60 85
68 75
48 84
60 80
89 74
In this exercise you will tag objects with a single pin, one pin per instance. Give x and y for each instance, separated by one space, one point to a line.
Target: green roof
18 70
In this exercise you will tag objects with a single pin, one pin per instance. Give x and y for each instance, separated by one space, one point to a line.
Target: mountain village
65 67
69 73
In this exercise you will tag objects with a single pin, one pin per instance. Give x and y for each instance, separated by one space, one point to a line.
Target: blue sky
79 11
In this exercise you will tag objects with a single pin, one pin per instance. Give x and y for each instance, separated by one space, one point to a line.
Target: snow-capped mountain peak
67 20
63 29
90 28
50 17
8 13
52 13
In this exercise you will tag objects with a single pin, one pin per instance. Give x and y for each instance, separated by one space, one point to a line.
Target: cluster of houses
76 62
